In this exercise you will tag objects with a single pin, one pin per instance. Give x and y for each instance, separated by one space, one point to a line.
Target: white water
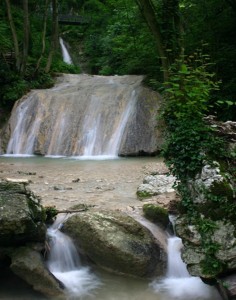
65 264
90 116
65 54
128 113
178 284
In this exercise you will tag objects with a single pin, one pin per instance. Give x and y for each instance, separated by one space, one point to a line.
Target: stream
108 184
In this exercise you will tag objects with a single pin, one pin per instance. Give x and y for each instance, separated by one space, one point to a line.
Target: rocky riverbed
104 184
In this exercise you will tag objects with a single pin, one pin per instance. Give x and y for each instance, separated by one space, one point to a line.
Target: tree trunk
54 42
26 38
14 34
43 36
147 9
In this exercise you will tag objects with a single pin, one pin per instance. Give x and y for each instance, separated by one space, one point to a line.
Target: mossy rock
156 214
144 194
22 216
116 242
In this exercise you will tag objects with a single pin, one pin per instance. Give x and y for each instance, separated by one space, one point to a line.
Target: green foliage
143 194
211 266
50 213
190 144
62 67
206 226
189 88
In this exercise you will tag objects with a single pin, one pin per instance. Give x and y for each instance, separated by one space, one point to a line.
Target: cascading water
64 263
65 54
85 116
178 284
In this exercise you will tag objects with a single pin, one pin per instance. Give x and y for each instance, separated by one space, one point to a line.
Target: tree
54 41
26 38
43 35
14 34
168 34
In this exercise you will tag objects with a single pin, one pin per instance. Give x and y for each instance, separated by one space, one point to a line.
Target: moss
211 266
143 194
156 214
50 213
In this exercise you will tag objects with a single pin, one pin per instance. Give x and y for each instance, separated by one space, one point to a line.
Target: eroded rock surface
22 216
117 242
28 265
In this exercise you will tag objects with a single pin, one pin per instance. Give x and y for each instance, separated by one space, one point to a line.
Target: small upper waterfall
64 263
85 115
65 54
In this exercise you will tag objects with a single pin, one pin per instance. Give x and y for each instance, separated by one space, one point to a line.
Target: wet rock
156 214
22 216
229 286
29 266
117 242
61 188
76 180
193 253
65 120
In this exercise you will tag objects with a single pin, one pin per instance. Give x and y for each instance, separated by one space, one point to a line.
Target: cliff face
86 115
209 232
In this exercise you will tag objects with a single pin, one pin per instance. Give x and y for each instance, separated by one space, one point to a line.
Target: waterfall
85 116
176 267
65 54
64 263
178 284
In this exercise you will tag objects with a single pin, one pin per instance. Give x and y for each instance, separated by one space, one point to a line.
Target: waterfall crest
85 115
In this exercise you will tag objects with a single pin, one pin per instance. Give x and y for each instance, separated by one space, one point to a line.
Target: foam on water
64 263
178 284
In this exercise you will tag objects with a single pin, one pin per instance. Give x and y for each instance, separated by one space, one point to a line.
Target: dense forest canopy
118 37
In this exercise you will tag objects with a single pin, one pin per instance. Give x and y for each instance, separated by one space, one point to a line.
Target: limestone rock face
22 217
156 185
86 115
194 253
28 265
117 242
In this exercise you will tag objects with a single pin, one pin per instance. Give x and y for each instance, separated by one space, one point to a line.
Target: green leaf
184 68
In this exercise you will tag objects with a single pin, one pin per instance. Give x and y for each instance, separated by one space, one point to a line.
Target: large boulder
28 265
117 242
22 216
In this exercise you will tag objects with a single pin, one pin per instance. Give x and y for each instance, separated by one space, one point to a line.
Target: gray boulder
22 216
117 242
28 265
155 185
